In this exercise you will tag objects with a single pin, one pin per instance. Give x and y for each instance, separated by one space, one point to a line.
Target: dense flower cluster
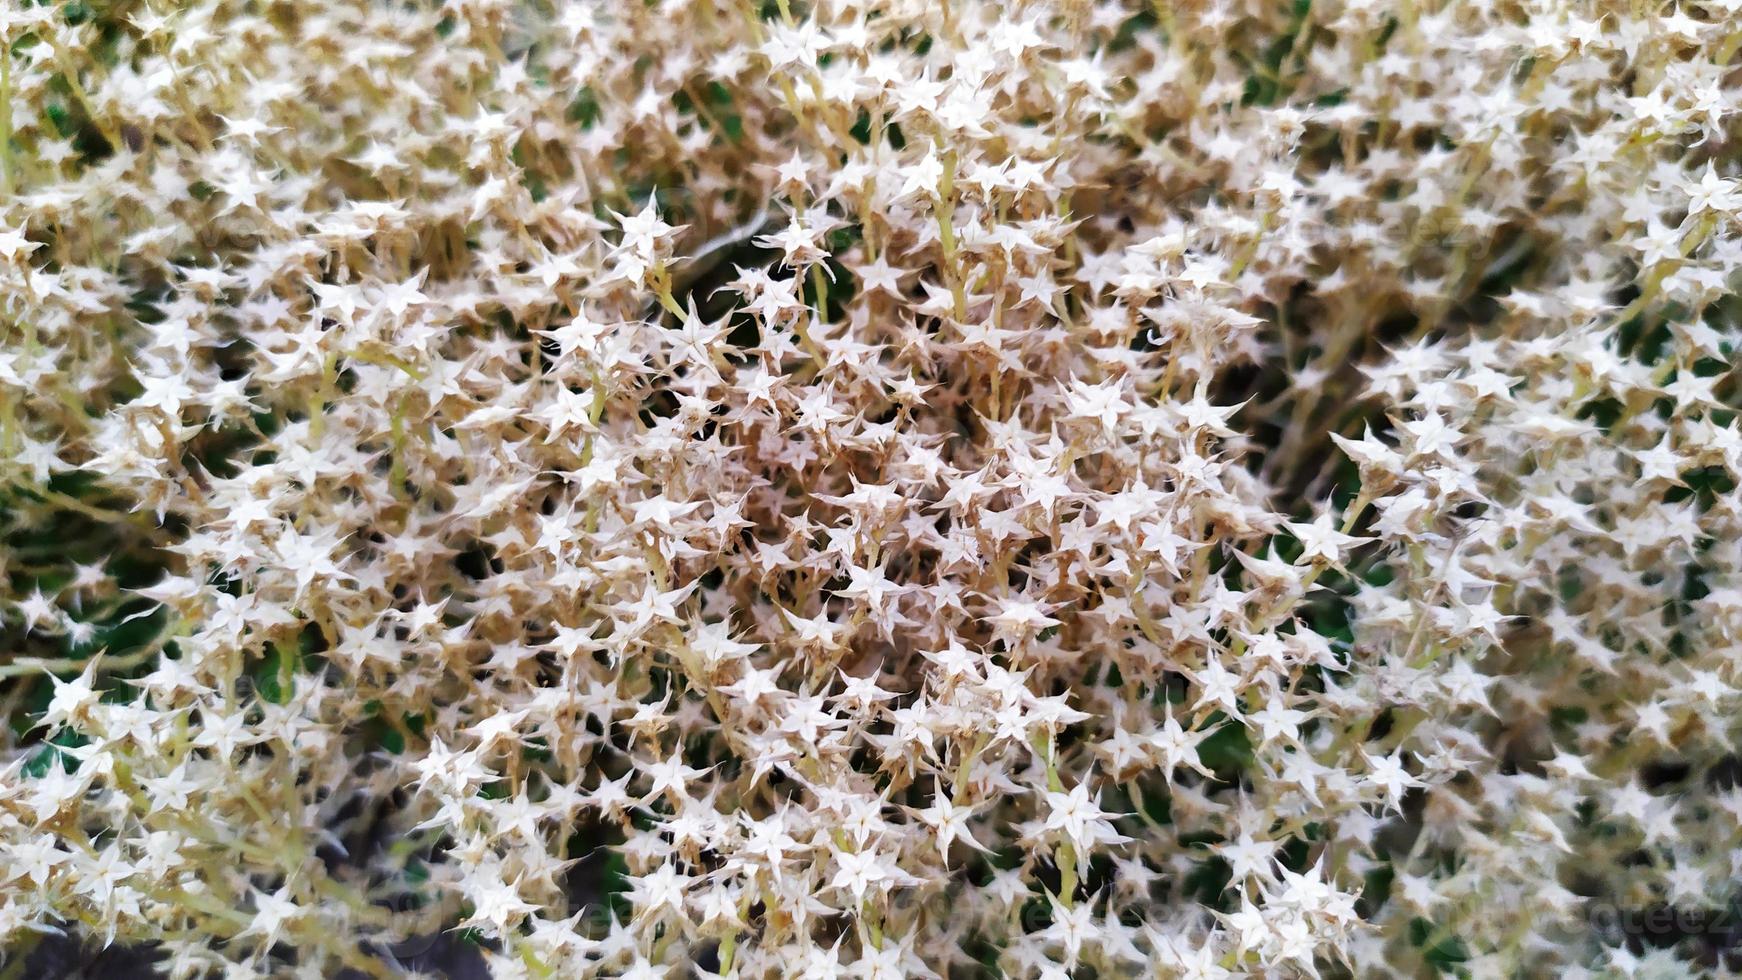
873 488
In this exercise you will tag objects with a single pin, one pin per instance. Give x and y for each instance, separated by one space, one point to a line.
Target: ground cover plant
875 489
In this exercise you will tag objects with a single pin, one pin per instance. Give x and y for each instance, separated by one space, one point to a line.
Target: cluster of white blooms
873 488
